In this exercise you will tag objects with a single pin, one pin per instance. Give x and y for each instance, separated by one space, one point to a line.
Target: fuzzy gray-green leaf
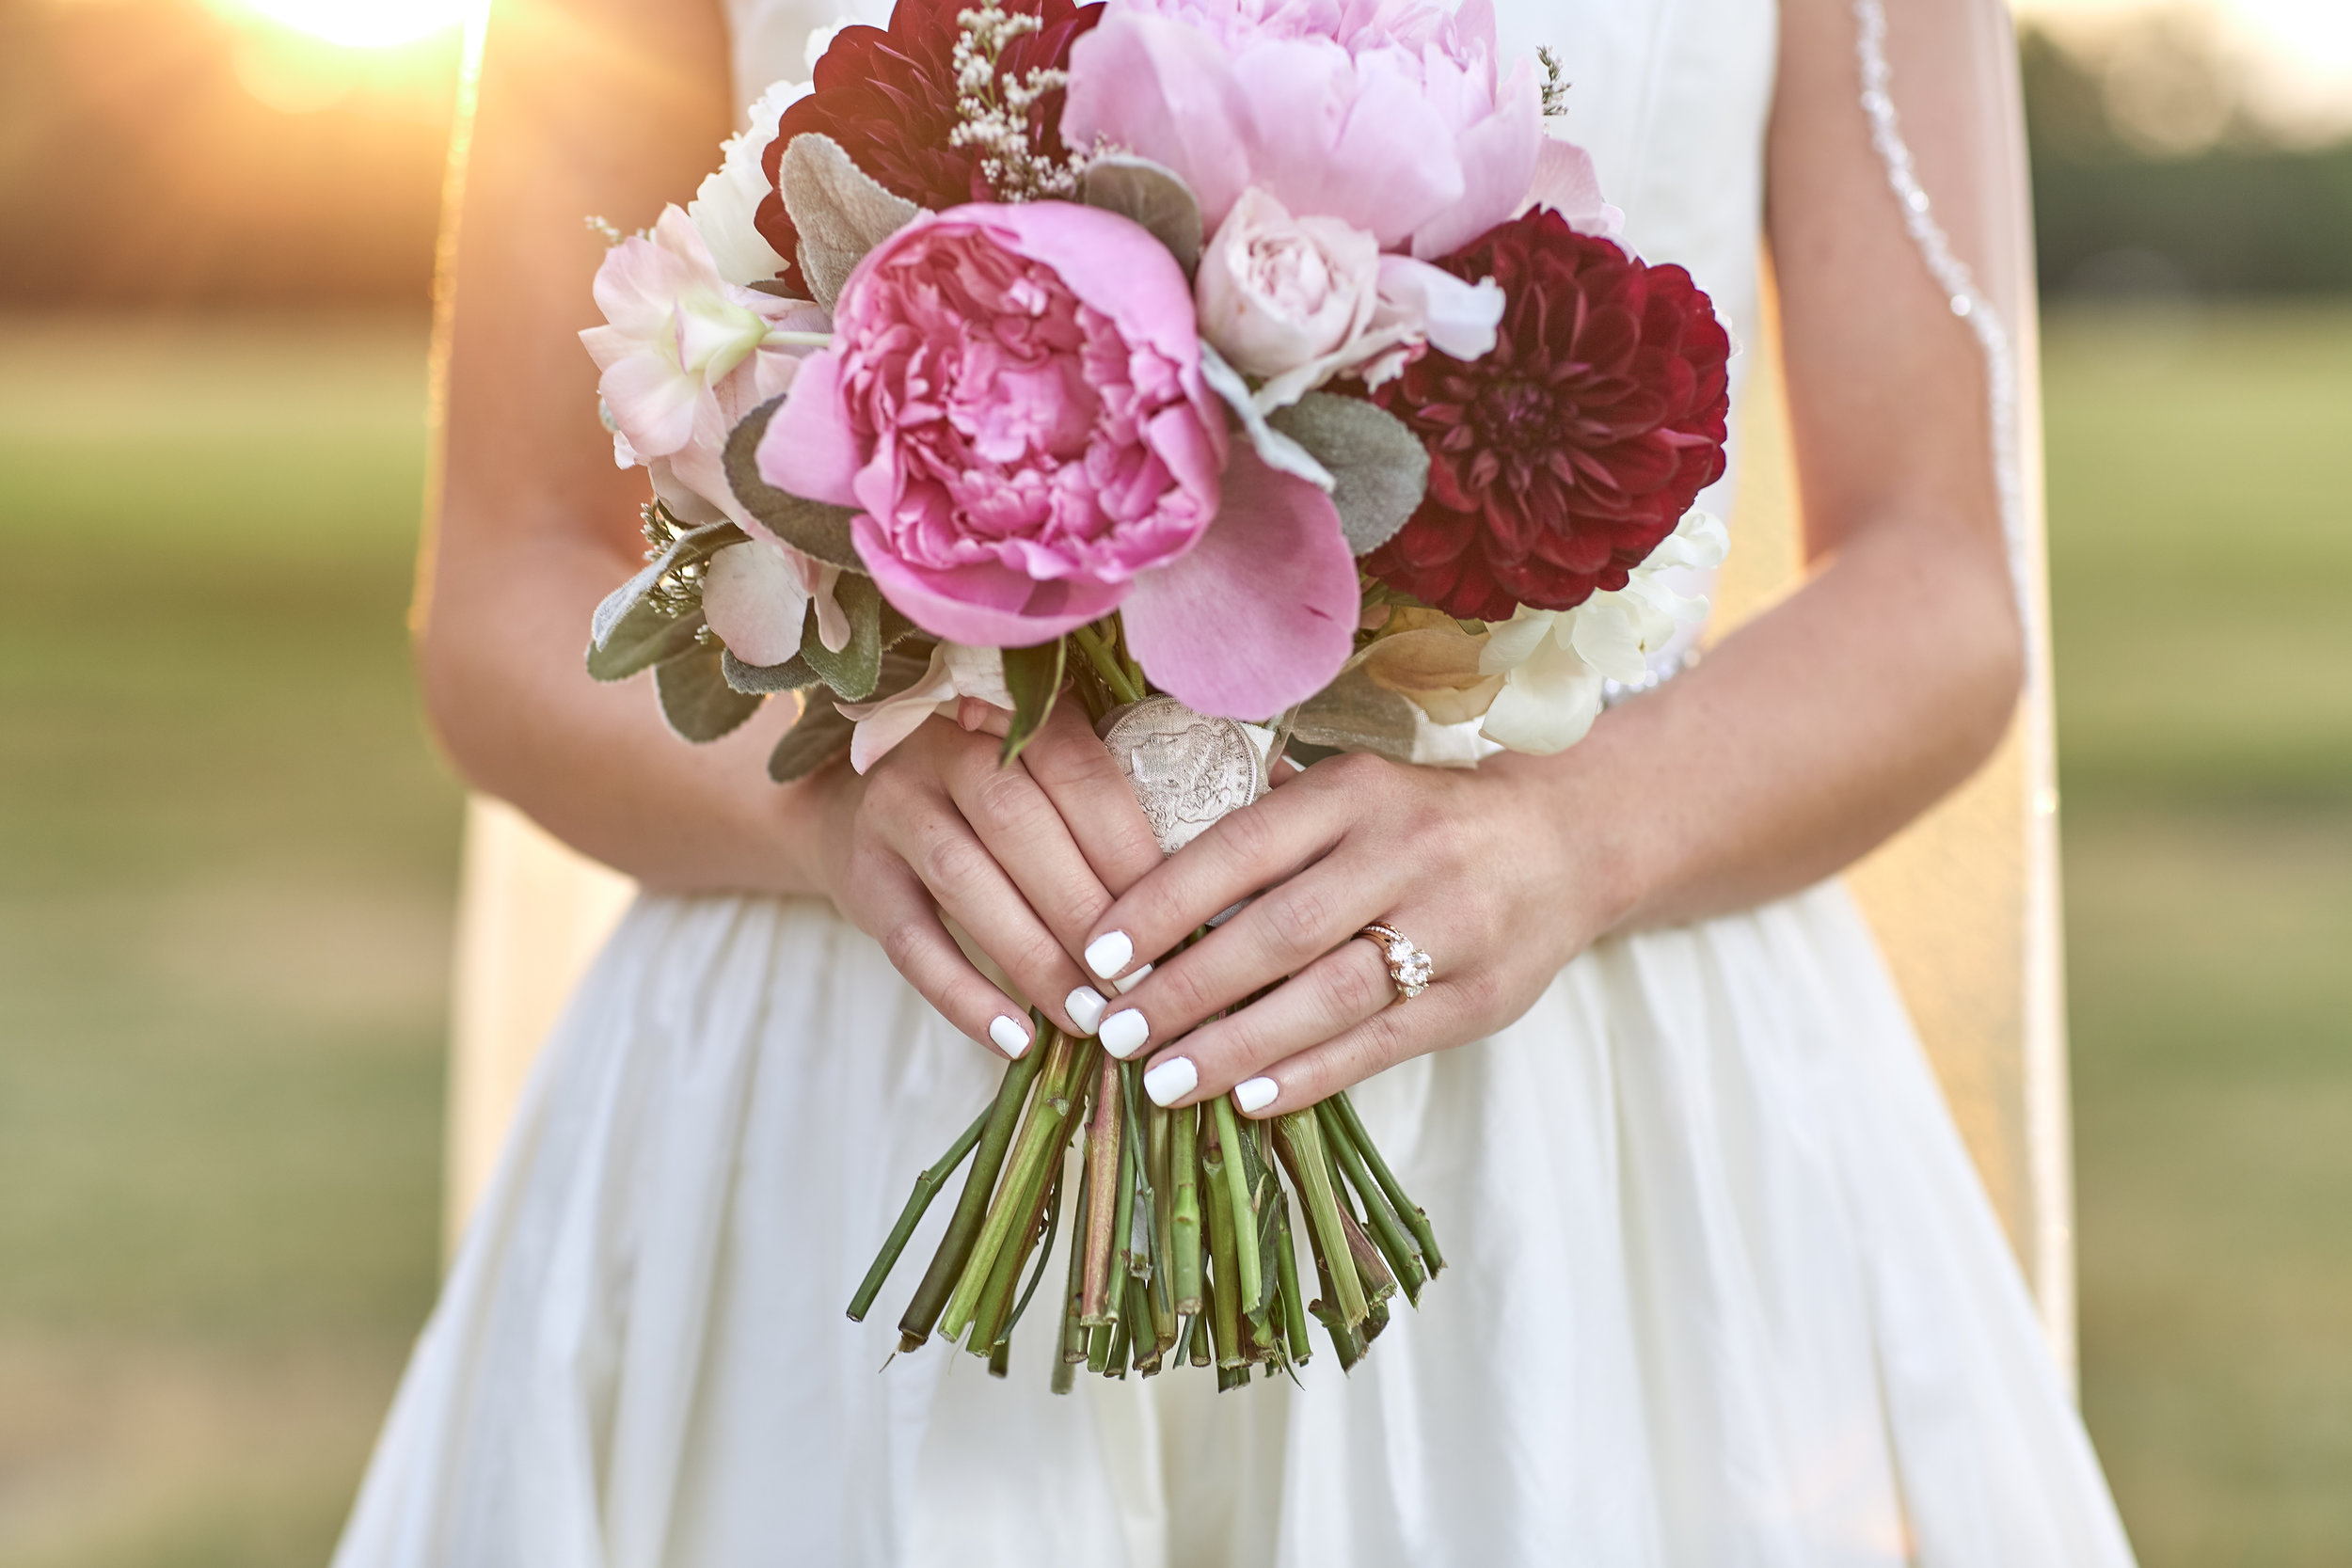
821 736
1277 450
1381 469
696 699
813 527
1354 715
840 210
766 680
1153 195
645 637
687 549
852 669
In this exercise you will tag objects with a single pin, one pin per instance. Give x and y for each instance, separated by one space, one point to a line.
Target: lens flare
363 24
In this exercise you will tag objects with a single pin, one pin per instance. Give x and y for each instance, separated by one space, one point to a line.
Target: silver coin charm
1187 768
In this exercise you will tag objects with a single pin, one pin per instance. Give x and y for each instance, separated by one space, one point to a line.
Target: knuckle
1353 991
903 942
1247 837
1004 797
1300 919
952 860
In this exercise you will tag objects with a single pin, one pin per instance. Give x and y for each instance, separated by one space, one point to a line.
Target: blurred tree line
153 152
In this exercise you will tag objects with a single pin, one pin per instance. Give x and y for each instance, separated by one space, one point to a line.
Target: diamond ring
1409 967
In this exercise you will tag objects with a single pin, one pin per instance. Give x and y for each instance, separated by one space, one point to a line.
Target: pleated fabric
1723 1291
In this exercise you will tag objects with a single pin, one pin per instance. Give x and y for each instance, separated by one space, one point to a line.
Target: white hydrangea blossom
728 200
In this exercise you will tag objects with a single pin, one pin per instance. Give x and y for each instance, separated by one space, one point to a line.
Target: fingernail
1131 981
1171 1080
1085 1007
1109 953
1012 1034
1124 1032
1255 1094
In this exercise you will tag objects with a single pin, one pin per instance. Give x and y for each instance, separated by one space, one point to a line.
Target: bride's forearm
500 665
1808 737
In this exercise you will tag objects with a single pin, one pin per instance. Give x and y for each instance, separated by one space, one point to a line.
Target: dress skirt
1723 1292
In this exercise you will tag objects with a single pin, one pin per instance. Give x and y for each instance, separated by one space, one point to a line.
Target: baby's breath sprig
1555 88
992 110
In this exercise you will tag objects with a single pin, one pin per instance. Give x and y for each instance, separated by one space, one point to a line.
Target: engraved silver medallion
1187 768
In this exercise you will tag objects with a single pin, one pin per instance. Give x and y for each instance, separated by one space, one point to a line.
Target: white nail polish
1012 1034
1131 981
1109 953
1085 1007
1255 1094
1171 1080
1124 1032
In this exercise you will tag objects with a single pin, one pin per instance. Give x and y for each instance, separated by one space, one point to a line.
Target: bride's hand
1025 858
1475 867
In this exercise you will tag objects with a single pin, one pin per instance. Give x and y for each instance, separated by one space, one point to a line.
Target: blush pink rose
1013 402
1389 115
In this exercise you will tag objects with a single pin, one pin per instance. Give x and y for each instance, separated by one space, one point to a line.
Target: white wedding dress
1725 1291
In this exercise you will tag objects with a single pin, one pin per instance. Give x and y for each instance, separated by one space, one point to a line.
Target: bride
1726 1290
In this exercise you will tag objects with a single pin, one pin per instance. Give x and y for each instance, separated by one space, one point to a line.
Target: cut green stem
1299 1142
979 1184
1402 1255
1102 1147
1251 1282
1407 1211
1038 1145
1183 1161
927 1187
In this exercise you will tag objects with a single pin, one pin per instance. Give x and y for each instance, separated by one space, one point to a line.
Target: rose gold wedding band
1410 969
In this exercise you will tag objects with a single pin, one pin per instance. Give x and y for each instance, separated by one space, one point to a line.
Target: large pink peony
1013 402
1389 113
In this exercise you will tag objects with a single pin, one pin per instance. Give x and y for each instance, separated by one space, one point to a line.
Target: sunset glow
363 24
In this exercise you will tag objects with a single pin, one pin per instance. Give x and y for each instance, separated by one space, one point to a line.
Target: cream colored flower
956 672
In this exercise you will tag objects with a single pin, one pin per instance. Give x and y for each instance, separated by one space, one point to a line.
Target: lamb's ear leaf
1351 714
696 699
840 210
1033 676
1380 466
813 527
766 680
645 637
696 545
821 736
1152 195
1279 451
853 670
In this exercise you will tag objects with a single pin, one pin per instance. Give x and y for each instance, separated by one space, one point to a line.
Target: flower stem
1403 1256
1040 1142
994 1319
963 1226
1072 1352
1286 1282
1225 1275
927 1187
1184 1213
1299 1142
1102 1144
1407 1211
1122 1227
1160 1136
1249 1278
1106 664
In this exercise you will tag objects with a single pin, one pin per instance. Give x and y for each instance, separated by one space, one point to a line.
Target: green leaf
813 527
1380 467
840 210
766 680
1152 195
1033 676
645 637
821 736
696 699
852 669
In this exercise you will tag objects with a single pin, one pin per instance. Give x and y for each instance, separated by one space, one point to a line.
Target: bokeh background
227 850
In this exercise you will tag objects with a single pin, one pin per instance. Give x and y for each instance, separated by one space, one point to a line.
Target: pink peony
1387 114
1013 402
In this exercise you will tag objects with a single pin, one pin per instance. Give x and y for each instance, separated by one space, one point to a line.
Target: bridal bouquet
1260 374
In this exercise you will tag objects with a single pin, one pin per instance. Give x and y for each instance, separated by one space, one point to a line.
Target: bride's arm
1811 735
612 109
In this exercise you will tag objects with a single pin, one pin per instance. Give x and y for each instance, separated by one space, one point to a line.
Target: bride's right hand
1025 858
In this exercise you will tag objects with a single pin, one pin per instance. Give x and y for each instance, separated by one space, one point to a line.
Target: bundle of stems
1183 1243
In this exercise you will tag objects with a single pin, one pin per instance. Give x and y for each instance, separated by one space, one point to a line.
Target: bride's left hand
1477 868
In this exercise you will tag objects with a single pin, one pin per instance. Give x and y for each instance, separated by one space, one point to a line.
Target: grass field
226 858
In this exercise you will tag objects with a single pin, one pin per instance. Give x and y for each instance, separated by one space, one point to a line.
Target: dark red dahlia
1562 459
888 96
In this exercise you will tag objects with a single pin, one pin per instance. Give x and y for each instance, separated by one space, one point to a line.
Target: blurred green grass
227 856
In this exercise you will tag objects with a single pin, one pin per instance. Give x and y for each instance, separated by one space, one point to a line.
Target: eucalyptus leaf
1380 466
1033 676
1351 714
840 210
854 668
1153 195
696 545
813 527
1277 450
766 680
696 699
821 736
646 637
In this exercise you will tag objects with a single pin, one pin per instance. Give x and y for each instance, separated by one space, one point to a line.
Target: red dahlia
1559 461
888 96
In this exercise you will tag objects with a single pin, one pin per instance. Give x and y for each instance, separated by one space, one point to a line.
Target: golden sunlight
363 24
